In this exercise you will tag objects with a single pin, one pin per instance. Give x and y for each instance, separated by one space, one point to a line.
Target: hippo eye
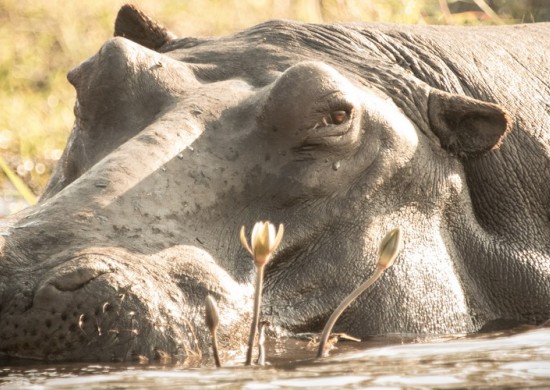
338 117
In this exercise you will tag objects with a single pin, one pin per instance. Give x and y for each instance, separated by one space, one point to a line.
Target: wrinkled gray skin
174 149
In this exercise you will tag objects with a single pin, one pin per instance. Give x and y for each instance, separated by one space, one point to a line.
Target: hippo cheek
102 308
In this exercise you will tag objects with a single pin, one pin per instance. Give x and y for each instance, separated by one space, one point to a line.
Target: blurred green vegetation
40 41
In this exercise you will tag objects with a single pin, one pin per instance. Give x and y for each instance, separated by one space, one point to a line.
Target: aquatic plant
389 248
212 319
264 240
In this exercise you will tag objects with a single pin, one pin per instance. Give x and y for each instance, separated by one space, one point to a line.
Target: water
519 360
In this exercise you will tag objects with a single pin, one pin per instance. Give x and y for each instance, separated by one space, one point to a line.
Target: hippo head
177 143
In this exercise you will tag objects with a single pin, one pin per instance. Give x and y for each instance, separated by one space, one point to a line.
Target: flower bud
390 247
212 317
264 241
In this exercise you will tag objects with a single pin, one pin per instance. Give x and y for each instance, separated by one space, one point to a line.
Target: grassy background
41 40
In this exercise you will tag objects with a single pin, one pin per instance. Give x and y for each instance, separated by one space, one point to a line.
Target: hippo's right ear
466 126
133 24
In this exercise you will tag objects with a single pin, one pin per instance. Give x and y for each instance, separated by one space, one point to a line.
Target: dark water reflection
506 360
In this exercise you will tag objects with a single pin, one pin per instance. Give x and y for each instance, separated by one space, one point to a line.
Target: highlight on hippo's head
341 132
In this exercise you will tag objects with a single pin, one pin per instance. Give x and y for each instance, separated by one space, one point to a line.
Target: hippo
341 132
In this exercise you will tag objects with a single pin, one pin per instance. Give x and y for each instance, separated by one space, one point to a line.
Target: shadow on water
506 359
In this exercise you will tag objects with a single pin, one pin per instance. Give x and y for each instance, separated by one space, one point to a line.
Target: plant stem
261 343
256 313
212 320
340 309
215 349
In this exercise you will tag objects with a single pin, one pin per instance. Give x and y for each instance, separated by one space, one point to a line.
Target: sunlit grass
17 183
40 41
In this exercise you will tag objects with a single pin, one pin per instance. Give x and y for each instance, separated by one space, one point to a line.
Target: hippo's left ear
133 24
464 125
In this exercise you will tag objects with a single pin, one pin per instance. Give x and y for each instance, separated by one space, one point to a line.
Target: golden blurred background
40 41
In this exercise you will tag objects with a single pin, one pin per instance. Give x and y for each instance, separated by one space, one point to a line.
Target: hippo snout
77 310
117 308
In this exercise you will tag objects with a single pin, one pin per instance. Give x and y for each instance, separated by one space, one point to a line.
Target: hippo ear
133 24
464 125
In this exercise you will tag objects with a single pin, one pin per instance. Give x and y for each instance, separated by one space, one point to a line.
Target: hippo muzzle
118 307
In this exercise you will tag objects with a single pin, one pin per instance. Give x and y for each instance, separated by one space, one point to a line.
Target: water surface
519 360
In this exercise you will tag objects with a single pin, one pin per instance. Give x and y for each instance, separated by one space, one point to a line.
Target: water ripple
517 361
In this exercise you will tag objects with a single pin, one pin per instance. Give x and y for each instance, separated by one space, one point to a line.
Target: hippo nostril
76 279
54 289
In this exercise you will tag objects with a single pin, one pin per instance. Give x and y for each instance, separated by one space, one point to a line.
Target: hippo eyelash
335 118
339 112
331 129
